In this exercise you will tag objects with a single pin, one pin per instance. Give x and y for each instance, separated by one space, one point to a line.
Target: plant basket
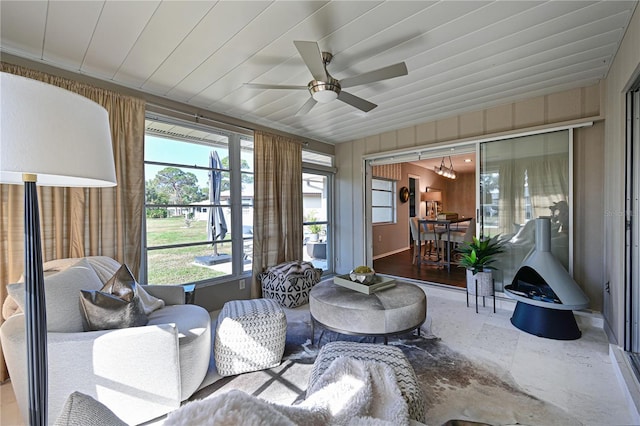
485 282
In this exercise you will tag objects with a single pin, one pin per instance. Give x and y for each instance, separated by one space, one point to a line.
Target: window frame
329 175
394 205
323 164
236 205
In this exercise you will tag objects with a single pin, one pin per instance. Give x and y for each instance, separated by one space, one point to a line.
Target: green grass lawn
176 265
173 230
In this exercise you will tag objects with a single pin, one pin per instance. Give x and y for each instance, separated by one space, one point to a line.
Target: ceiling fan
324 88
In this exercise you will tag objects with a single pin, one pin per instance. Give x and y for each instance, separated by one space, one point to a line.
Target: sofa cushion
62 296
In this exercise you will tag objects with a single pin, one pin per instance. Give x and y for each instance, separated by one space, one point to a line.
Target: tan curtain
511 202
277 204
77 222
548 180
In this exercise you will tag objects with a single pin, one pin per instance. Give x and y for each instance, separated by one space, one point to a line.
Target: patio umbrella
217 229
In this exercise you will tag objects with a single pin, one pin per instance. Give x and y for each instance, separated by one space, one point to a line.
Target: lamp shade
431 196
58 135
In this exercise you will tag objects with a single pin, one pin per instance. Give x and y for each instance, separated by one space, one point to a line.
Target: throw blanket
349 392
359 392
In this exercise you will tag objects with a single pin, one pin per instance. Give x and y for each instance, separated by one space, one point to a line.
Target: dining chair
458 237
425 237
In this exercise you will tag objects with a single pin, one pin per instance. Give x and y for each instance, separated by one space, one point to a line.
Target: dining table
440 227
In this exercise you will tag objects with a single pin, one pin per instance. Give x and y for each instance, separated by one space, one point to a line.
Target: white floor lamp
53 137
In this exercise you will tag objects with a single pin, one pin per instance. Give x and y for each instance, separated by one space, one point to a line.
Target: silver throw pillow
116 305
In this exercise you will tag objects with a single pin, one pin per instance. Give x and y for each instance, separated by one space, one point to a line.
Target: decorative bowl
362 277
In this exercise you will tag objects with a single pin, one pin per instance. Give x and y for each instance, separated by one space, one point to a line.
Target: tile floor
577 376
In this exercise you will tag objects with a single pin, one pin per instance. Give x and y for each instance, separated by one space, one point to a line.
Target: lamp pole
36 314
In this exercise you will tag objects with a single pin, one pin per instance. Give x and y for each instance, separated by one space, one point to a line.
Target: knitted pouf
250 336
390 355
289 283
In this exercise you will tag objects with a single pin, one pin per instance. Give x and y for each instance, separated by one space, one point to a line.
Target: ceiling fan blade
385 73
272 86
312 57
306 107
355 101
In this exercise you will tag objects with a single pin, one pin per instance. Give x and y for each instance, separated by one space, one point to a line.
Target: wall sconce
445 171
432 197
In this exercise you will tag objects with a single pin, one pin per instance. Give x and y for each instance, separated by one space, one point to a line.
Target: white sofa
140 373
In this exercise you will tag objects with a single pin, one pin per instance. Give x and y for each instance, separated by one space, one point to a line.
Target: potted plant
477 257
315 230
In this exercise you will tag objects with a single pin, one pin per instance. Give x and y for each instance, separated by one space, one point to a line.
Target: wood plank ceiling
461 55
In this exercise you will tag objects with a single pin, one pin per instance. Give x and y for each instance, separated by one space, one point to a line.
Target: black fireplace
545 292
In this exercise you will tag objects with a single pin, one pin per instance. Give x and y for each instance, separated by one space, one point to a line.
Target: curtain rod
197 118
157 101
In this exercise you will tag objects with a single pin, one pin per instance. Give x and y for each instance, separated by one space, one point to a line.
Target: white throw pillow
149 302
62 296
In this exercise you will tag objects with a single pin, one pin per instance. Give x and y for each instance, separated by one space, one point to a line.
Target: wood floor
400 265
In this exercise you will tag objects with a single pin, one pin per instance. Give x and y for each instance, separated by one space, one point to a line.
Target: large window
198 202
383 206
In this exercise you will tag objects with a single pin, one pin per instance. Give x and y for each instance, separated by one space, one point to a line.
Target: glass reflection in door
521 179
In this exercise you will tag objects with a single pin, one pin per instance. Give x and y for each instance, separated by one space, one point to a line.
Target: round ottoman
395 310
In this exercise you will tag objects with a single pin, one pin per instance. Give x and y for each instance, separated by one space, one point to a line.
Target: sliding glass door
521 179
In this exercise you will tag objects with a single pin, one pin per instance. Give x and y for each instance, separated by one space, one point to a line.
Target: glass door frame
416 152
480 202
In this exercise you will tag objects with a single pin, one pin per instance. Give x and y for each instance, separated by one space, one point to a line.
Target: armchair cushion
62 294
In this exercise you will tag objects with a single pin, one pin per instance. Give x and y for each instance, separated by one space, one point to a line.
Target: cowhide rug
455 386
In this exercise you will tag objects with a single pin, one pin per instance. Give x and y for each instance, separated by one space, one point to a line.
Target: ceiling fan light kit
324 92
324 88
